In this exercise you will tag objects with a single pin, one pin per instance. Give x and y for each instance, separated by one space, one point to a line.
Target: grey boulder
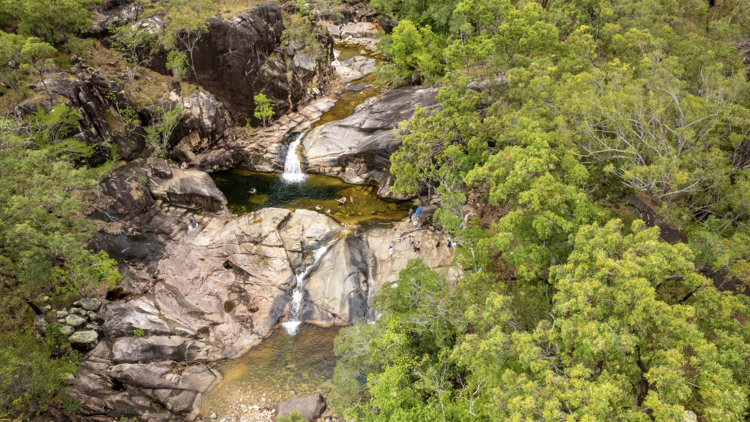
311 407
75 320
84 340
91 304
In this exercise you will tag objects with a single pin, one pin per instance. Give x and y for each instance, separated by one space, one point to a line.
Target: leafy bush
29 377
70 406
137 333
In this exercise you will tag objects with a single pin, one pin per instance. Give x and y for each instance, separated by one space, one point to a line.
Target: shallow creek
281 367
297 362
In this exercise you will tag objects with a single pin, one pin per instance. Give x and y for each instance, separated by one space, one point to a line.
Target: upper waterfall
292 165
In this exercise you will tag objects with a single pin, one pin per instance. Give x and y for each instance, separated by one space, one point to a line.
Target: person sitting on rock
184 165
253 190
317 208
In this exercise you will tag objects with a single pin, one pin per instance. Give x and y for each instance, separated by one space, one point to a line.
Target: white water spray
292 165
295 313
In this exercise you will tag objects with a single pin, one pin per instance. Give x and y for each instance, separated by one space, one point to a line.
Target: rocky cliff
242 56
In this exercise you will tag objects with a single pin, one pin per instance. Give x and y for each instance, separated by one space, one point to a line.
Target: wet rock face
233 63
358 149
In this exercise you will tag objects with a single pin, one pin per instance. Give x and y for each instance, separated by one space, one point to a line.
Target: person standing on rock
390 253
417 248
437 246
411 211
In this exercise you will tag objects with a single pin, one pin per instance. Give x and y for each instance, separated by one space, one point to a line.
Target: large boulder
135 185
358 149
157 348
311 407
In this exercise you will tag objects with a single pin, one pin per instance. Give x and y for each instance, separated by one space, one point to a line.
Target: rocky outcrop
241 56
93 95
358 149
135 187
341 286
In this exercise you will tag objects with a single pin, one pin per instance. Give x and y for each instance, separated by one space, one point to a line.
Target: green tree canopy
623 342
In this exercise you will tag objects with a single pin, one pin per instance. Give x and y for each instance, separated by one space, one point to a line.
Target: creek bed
282 366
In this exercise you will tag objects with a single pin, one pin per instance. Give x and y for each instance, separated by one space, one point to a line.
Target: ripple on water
281 367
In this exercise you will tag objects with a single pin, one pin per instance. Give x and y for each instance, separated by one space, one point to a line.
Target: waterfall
292 166
295 313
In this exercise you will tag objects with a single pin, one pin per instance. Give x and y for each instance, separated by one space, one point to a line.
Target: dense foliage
569 308
42 250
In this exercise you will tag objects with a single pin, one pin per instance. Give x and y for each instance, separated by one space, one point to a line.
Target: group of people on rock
417 246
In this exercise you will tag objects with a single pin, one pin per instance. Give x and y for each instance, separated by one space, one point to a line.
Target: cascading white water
292 165
295 313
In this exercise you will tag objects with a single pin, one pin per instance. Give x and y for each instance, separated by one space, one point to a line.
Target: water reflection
270 190
281 367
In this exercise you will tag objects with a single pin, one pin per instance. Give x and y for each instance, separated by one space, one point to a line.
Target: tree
134 43
263 110
187 25
621 344
165 117
52 20
35 50
414 49
10 54
85 271
542 189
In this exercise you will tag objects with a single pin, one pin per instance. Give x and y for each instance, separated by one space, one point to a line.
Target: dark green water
274 192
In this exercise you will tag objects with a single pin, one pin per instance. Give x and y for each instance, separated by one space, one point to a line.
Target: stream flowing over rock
211 293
